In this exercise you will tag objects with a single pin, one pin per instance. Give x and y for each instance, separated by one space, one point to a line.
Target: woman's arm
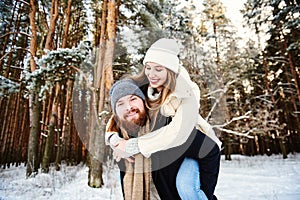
173 134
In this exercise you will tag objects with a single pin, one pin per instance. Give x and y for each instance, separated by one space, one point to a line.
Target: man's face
131 109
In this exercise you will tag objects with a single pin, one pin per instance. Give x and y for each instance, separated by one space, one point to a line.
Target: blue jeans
188 181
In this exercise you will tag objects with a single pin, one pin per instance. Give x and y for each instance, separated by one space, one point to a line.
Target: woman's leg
188 181
207 154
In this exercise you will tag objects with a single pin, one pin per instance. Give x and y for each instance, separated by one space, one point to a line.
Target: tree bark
33 42
35 127
34 103
5 131
294 73
53 19
66 27
266 79
51 133
104 80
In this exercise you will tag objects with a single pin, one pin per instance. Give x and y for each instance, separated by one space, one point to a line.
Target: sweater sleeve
181 126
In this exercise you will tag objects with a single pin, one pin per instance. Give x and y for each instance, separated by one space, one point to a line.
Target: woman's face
156 74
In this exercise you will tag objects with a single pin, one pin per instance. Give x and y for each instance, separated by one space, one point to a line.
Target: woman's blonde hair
168 87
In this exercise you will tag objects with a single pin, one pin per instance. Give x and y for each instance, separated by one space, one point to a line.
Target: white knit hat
164 52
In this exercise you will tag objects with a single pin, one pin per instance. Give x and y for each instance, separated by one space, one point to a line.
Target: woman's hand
120 145
118 158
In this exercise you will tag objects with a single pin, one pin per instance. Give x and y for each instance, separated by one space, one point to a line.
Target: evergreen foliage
54 66
251 84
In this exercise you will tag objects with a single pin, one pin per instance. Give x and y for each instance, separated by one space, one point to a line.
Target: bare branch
12 50
222 91
237 133
24 2
22 33
234 119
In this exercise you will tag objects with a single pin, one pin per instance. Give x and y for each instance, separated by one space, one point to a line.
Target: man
130 120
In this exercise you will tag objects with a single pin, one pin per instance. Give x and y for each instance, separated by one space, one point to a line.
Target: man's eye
119 104
133 98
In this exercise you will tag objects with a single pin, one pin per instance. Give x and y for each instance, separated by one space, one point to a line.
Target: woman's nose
151 73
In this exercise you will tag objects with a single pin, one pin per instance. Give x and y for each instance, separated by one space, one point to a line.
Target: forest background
58 60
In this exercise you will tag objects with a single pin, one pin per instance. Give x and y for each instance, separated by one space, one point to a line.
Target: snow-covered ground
259 177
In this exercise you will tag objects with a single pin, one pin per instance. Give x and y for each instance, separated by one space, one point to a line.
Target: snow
258 177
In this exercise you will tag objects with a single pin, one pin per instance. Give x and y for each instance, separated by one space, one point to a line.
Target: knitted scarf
138 175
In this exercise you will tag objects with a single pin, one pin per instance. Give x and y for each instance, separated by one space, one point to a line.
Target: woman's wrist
132 147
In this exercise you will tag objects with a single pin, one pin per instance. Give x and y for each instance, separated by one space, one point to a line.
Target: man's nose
128 106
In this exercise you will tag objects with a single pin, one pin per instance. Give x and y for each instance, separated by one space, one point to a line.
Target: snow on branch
12 50
7 86
222 91
245 116
238 133
55 66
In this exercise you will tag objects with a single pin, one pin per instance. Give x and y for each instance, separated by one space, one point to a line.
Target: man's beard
133 127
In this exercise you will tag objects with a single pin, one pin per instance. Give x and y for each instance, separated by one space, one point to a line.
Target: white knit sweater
183 106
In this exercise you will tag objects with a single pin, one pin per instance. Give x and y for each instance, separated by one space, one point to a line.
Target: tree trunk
5 131
104 80
96 157
267 79
294 73
217 51
283 147
227 149
66 27
35 127
13 128
34 103
53 19
22 130
67 116
51 133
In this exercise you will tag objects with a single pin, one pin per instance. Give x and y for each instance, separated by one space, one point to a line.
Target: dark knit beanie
123 88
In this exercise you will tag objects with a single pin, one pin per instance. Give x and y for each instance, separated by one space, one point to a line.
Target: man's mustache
132 110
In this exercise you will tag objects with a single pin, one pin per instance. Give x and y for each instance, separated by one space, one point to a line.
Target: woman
171 93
